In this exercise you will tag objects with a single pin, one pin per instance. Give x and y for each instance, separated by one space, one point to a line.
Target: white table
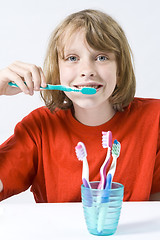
139 220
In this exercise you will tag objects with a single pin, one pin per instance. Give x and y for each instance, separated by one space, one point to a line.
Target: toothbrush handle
105 195
85 90
49 87
13 84
113 166
57 87
89 199
103 169
85 173
85 183
108 181
105 204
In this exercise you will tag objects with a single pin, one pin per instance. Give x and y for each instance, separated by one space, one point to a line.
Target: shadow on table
152 225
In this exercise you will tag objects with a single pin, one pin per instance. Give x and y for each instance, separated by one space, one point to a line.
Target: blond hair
103 33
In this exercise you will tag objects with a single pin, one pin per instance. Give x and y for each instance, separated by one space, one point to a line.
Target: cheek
109 77
65 74
112 83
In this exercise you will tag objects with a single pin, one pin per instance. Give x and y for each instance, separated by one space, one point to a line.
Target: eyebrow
94 50
70 50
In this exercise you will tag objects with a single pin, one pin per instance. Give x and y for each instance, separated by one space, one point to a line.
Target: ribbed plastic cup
102 208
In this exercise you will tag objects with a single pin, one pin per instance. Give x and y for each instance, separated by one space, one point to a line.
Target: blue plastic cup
102 208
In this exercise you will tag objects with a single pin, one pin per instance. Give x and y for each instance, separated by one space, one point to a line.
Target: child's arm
19 72
19 157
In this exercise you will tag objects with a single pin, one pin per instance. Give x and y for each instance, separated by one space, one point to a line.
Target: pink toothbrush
82 156
106 143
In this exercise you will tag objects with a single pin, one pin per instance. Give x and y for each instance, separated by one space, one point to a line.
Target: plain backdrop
25 27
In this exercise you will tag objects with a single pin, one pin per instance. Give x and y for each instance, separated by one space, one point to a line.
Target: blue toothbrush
105 197
84 90
105 204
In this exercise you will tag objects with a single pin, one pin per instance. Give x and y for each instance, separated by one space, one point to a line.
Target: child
87 49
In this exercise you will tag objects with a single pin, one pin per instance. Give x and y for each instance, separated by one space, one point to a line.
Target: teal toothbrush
116 148
84 90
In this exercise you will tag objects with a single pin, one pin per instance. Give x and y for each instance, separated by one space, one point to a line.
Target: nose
87 70
87 74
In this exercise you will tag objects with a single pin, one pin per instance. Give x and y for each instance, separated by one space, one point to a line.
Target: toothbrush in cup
116 148
82 156
105 204
106 143
84 90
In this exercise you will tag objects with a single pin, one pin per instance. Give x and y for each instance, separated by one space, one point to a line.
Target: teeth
90 86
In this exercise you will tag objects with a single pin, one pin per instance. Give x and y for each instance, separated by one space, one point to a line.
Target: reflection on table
138 220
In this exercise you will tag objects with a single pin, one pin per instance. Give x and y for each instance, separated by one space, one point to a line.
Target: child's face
84 66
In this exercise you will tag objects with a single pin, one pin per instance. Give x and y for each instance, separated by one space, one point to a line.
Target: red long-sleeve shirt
41 153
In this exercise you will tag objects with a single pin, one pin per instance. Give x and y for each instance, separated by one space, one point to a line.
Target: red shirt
41 153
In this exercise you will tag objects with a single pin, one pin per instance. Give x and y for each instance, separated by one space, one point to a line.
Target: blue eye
102 58
72 58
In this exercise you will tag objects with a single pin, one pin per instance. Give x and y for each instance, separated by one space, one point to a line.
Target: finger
43 79
14 91
12 76
38 78
34 71
24 73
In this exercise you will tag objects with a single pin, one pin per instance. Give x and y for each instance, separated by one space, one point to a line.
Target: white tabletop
139 220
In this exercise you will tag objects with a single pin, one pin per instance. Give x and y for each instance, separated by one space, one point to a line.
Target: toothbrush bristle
80 151
88 90
107 139
116 148
116 142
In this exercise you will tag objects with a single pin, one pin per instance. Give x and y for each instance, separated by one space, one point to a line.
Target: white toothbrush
106 143
82 156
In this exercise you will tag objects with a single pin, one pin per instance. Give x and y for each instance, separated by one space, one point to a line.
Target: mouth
95 86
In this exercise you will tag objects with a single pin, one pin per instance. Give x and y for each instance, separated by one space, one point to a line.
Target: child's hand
19 72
